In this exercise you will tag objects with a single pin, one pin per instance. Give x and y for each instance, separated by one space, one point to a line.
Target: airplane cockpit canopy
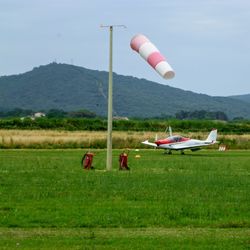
176 138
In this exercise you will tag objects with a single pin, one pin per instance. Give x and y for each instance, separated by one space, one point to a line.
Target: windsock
152 55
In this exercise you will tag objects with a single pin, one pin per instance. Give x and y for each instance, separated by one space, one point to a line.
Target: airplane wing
185 146
149 143
180 147
176 146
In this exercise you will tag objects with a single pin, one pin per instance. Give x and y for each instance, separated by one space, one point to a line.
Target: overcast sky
207 42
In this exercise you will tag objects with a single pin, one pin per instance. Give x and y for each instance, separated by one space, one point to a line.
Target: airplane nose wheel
182 152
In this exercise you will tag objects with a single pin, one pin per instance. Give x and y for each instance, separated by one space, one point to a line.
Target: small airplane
177 142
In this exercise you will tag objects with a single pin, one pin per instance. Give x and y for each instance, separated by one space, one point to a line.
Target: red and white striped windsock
152 55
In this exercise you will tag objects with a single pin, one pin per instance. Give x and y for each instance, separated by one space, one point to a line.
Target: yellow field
25 137
87 138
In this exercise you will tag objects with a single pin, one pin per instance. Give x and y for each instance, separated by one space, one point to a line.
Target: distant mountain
68 87
245 98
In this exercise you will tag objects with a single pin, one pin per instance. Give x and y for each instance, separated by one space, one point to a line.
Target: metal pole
110 102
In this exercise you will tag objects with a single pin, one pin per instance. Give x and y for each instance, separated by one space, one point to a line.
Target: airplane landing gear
182 152
169 152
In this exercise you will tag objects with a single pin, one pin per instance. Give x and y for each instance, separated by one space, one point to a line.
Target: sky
207 42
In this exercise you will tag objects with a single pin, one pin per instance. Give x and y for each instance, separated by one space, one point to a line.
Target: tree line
83 113
100 124
52 113
201 115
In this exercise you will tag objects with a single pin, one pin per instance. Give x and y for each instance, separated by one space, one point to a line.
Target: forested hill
245 98
68 87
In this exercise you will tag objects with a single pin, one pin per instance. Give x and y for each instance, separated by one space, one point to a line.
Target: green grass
119 238
197 201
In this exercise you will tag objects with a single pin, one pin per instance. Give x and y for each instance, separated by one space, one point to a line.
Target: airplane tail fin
212 136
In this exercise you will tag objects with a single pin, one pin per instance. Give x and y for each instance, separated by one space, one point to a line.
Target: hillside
69 87
245 98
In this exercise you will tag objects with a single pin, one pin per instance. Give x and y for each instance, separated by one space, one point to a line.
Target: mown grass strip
124 238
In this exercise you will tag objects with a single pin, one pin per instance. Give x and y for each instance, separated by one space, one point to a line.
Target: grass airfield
199 200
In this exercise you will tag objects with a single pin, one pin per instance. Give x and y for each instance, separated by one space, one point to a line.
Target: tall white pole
110 96
110 101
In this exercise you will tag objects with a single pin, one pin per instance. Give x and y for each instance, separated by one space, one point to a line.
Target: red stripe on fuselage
171 141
